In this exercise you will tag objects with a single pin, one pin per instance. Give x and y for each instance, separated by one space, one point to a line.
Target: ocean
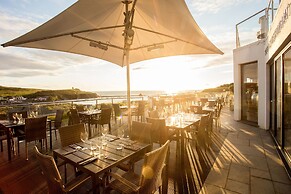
120 96
133 93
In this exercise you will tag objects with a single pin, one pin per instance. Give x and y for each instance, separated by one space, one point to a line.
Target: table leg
95 187
89 127
8 143
51 139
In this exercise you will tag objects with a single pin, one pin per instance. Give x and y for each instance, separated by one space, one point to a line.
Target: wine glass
84 136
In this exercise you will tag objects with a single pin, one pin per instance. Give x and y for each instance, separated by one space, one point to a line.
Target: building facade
262 80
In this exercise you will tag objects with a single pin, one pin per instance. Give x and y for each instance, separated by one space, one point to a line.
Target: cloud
210 6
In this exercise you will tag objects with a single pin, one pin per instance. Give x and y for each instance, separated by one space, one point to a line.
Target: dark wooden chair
74 117
57 121
104 118
140 132
159 132
69 135
117 113
3 137
53 177
140 111
152 176
35 129
202 135
216 116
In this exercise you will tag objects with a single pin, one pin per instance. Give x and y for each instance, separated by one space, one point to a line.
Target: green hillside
12 91
50 94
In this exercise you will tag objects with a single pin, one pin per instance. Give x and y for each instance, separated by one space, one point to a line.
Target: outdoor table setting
100 154
18 123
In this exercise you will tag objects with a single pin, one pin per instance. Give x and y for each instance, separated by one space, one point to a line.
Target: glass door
273 100
249 98
278 79
287 102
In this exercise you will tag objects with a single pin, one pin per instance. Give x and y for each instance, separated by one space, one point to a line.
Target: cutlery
87 161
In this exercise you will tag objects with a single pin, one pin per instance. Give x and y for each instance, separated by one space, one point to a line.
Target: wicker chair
117 112
216 117
69 135
57 121
140 111
140 132
160 133
74 117
202 133
104 118
53 177
35 129
152 175
3 137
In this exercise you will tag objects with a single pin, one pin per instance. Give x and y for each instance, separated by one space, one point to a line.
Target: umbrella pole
128 90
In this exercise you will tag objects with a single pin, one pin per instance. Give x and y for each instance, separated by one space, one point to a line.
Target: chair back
154 114
140 108
105 116
159 131
196 109
50 171
35 128
74 117
152 169
71 134
202 134
117 110
59 118
141 132
219 110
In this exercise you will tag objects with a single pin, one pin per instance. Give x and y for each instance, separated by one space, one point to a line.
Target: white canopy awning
95 28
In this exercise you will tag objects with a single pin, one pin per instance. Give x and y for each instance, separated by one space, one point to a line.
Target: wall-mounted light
99 45
155 47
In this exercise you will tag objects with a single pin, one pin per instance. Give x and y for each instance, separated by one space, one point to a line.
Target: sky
33 68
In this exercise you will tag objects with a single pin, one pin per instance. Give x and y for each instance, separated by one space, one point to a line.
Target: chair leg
1 144
45 143
56 134
109 128
26 150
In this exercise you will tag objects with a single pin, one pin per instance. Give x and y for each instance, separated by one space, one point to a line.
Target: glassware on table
14 116
84 136
93 149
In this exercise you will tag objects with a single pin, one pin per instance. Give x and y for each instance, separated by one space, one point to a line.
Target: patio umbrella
122 32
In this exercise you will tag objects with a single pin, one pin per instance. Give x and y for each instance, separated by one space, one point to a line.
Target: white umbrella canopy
113 29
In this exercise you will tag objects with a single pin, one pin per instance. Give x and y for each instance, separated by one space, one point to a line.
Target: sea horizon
138 92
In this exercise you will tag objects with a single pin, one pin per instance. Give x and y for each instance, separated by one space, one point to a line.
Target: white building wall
247 54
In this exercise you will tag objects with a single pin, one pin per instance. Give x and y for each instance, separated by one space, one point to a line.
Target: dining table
11 127
181 122
88 116
100 154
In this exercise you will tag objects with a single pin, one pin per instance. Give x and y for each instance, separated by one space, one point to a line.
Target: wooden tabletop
112 155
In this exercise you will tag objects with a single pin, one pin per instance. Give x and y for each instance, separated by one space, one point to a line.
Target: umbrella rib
100 42
58 35
179 39
155 44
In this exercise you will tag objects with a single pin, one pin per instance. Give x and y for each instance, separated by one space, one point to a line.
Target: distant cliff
49 95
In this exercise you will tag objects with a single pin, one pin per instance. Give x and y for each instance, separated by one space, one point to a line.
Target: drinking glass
93 148
84 136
